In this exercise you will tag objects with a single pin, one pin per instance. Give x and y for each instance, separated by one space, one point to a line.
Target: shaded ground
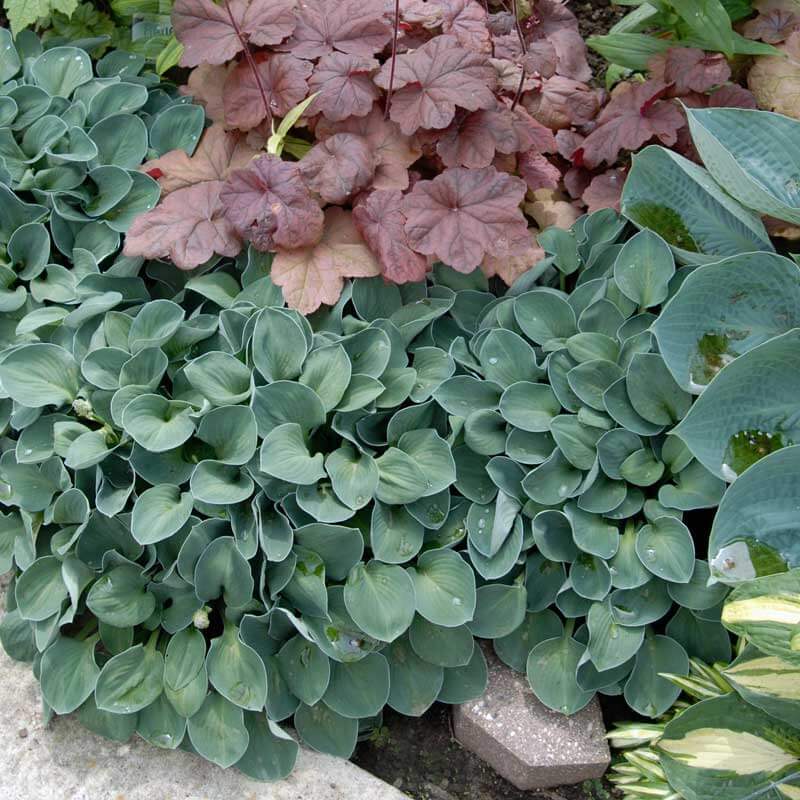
421 758
596 18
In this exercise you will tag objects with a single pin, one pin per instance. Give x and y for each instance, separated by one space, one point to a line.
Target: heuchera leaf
394 152
466 20
509 268
776 22
270 205
206 86
208 32
283 78
775 80
218 153
688 69
381 221
349 26
559 26
315 275
472 139
344 86
463 215
635 115
338 167
537 171
188 227
432 80
561 102
605 191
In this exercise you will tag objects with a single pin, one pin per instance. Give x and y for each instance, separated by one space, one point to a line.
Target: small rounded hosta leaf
41 374
698 594
507 359
643 269
156 423
462 684
708 641
489 526
499 610
61 70
305 669
590 577
177 128
590 380
433 366
610 644
40 590
326 731
646 692
653 392
529 406
551 667
731 143
286 401
543 581
705 327
381 600
187 701
513 649
432 454
354 475
117 727
155 323
220 377
160 725
724 748
220 484
666 549
223 570
401 479
543 315
279 345
553 481
643 605
358 689
184 658
236 671
120 597
444 586
232 432
68 673
552 532
271 753
285 455
730 427
159 512
395 535
131 680
436 644
463 394
217 731
415 683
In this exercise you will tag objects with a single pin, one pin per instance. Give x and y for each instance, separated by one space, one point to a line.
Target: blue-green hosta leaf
279 345
326 731
401 479
117 727
442 646
220 484
327 371
544 580
284 455
358 689
544 315
286 401
553 482
432 454
681 202
433 366
499 610
381 599
552 532
156 322
462 684
750 166
9 58
610 644
184 658
340 548
131 680
395 535
305 668
121 140
552 666
61 70
666 548
725 749
159 512
160 724
699 594
507 358
223 570
354 475
40 590
504 560
271 753
725 309
120 597
513 649
40 374
415 683
444 586
646 692
529 406
767 611
590 577
747 411
188 700
68 673
463 394
643 269
220 377
176 128
217 731
236 671
156 423
653 392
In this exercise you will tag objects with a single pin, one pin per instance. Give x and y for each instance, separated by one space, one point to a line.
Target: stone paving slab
524 741
66 762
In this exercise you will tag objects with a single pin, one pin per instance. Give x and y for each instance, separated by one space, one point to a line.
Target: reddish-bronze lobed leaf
394 152
467 21
463 215
358 27
208 33
635 115
559 26
283 78
218 152
562 102
776 22
540 59
537 171
315 275
688 69
433 80
427 14
472 139
206 85
509 268
605 190
338 167
380 220
270 205
188 227
345 86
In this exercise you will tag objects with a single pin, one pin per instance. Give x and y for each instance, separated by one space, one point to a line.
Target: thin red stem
524 48
395 35
250 60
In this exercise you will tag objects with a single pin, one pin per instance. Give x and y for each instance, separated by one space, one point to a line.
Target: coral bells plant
358 138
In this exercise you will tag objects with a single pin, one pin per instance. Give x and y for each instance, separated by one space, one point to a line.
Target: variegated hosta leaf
725 749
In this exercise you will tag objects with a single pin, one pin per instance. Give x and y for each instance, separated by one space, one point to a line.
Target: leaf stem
524 47
395 34
251 62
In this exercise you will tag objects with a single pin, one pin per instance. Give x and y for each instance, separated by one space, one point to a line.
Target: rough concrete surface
527 743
